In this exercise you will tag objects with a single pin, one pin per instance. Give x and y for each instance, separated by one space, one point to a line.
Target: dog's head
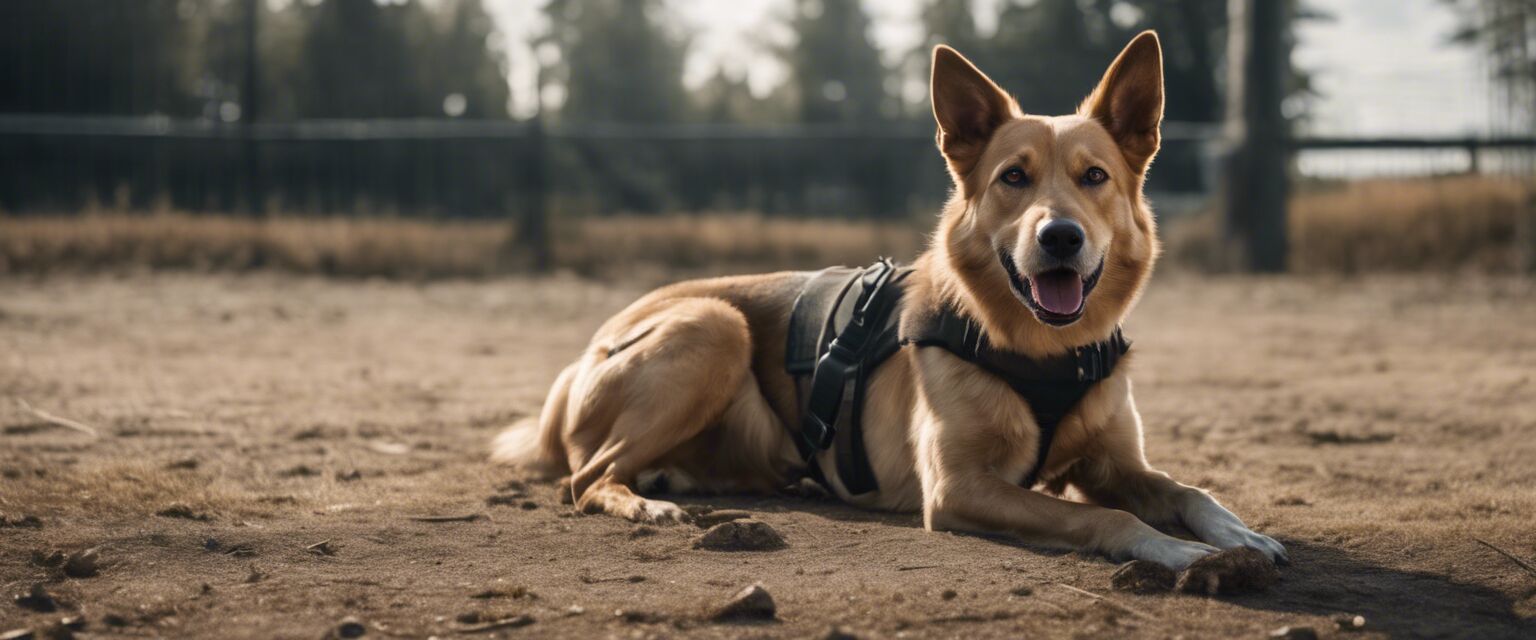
1047 227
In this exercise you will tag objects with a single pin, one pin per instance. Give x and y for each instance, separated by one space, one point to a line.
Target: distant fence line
469 168
500 168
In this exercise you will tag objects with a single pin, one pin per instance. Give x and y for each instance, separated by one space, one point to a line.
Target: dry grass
390 247
1430 224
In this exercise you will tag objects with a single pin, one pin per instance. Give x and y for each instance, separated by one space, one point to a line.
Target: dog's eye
1015 177
1094 176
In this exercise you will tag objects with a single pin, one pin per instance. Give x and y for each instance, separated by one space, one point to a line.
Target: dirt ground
1379 427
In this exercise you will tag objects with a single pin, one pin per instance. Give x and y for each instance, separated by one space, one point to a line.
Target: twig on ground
60 421
1118 605
1523 564
516 621
469 517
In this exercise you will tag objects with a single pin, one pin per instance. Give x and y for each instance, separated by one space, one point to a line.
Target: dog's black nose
1061 238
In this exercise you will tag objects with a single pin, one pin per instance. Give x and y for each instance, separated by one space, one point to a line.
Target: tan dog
690 379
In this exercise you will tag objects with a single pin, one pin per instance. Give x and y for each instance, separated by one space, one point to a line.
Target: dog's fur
690 379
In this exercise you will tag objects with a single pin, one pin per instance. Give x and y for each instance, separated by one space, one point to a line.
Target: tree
835 70
85 57
618 61
1505 30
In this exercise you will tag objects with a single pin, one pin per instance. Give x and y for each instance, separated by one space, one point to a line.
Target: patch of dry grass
1430 224
1480 223
390 247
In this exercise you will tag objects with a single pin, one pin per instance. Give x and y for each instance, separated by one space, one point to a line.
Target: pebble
350 627
1349 623
83 564
1142 576
751 603
740 535
1230 572
1294 633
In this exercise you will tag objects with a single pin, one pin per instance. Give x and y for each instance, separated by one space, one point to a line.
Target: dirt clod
37 599
184 512
21 522
749 604
84 563
740 535
1294 633
1229 572
1141 576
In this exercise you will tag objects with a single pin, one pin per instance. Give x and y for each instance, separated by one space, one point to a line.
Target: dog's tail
532 444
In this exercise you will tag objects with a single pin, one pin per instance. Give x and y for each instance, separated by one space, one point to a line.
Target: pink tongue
1059 292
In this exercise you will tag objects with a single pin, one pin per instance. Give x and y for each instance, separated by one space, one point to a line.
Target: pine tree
835 69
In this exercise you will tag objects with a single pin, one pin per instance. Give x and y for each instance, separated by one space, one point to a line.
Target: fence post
250 110
532 232
1255 182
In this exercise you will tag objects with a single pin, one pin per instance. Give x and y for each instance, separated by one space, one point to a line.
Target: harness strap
844 325
1051 387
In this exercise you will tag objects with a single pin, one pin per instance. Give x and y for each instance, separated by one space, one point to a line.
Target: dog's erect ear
1129 100
969 108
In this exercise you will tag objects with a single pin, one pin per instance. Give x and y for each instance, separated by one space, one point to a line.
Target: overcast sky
1383 66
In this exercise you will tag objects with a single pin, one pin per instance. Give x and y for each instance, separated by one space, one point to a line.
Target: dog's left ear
1129 100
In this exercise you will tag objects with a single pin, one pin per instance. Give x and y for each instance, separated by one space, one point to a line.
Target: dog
690 381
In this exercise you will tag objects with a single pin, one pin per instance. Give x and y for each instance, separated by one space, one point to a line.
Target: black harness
846 323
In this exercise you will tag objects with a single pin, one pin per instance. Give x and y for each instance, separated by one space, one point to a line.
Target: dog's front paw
1170 552
1232 537
659 512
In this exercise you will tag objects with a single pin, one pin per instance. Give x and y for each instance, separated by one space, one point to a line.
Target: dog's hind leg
668 376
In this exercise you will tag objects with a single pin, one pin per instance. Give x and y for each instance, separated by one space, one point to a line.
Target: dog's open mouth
1057 297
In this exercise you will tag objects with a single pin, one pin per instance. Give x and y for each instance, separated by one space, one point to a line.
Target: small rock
37 599
350 627
1142 576
839 633
1023 591
949 594
575 610
83 564
1230 572
740 535
183 511
751 603
1349 623
638 617
1294 633
712 518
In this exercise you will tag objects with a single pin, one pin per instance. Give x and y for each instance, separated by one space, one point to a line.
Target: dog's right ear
969 108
